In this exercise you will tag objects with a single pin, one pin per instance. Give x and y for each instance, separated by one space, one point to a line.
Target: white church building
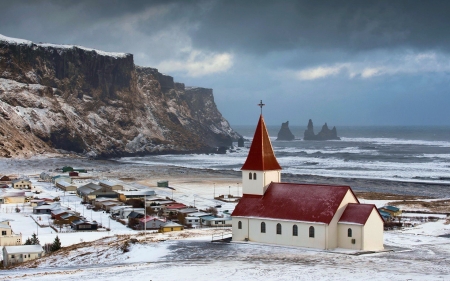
305 215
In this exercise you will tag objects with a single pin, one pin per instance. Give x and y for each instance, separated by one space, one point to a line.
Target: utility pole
145 216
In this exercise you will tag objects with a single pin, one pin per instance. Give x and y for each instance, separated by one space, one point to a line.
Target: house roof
135 215
53 206
171 224
150 218
108 183
391 208
290 201
261 156
357 213
175 206
24 249
65 184
19 180
137 193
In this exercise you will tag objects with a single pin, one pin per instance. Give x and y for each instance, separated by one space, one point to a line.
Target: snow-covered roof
171 224
16 41
108 183
65 184
24 249
137 193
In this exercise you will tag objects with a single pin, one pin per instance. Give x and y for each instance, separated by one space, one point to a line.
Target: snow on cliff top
17 41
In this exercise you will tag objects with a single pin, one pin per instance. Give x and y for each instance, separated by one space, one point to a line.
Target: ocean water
418 154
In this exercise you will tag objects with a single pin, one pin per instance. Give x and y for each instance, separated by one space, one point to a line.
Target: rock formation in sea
241 142
285 133
324 134
58 98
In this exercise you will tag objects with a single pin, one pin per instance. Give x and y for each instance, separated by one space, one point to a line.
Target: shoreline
114 169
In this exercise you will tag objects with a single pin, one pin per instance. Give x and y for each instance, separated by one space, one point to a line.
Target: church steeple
261 167
261 156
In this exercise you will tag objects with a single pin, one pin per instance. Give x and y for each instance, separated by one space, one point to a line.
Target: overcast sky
341 62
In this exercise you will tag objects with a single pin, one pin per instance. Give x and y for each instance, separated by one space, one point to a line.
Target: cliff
324 134
71 98
285 133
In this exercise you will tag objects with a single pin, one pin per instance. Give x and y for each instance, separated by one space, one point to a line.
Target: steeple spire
261 156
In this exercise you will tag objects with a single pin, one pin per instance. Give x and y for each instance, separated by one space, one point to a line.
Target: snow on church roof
261 156
290 201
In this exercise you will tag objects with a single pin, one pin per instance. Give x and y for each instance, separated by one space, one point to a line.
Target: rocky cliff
324 134
285 133
71 98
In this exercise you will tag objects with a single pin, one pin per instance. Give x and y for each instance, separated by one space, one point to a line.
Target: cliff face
87 101
324 134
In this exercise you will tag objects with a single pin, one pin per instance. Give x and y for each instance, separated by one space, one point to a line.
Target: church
305 215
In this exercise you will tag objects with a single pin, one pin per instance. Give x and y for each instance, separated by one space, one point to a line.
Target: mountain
57 98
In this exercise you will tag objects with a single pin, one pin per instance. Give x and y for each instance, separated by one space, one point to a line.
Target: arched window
349 232
311 231
295 230
278 228
254 176
263 227
249 176
239 225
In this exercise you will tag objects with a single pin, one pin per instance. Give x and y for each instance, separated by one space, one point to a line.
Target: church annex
305 215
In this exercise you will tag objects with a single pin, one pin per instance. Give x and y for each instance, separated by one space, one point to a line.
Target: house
12 197
56 214
111 185
187 211
36 202
73 174
84 225
385 215
91 191
138 194
66 186
125 212
21 184
67 218
162 184
393 211
215 221
59 178
45 177
171 226
151 223
192 220
18 254
5 179
115 210
8 237
306 215
46 208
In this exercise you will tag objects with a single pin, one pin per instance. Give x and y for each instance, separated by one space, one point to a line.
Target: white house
18 254
307 215
21 184
8 237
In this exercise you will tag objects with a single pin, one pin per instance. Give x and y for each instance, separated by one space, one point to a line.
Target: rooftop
24 249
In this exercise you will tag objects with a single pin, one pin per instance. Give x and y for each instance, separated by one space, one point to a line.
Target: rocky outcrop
285 133
324 134
59 97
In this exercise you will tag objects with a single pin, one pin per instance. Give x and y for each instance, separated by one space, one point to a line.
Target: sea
409 153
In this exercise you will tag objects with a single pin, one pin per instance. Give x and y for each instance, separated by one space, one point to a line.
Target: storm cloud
345 62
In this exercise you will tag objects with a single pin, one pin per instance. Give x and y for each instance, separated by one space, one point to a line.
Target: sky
350 62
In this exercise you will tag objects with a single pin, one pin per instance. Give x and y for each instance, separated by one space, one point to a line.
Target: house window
278 228
239 225
3 232
216 222
21 256
249 176
311 231
263 227
12 256
254 176
295 230
349 232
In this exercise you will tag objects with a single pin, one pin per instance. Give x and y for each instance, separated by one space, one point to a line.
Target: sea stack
285 133
324 134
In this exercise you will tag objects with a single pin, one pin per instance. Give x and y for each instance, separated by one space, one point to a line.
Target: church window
349 232
295 230
239 225
311 231
254 176
263 227
249 176
278 228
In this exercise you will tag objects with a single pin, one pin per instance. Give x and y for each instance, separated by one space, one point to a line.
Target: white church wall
373 233
346 242
239 234
286 237
256 186
333 227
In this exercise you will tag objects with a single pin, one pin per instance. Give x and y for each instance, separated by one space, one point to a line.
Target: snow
61 47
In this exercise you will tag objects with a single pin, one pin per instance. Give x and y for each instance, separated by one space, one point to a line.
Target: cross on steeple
261 105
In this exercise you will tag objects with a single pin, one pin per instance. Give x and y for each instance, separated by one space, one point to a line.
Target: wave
395 141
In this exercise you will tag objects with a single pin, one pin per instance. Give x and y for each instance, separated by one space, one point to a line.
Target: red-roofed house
306 215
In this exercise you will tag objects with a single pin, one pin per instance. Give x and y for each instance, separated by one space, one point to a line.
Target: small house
45 177
73 174
46 209
66 186
394 211
21 184
139 194
8 237
163 183
151 223
58 178
171 226
18 254
215 221
84 225
110 185
5 179
12 197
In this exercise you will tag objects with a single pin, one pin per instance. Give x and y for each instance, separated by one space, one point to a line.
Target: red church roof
261 156
358 213
290 201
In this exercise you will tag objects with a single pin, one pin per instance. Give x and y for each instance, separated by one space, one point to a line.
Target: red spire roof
261 156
